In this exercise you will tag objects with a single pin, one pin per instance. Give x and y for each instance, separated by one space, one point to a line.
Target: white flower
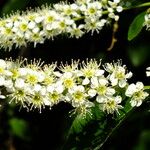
94 24
93 9
90 70
76 31
19 95
33 77
118 75
111 104
147 21
77 95
137 94
101 88
68 80
54 94
37 100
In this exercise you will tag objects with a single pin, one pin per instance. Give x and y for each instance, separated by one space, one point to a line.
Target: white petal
31 25
37 88
122 83
129 75
59 89
92 92
133 103
23 71
46 102
101 99
2 81
8 84
57 74
94 82
130 90
86 81
114 82
118 99
139 103
99 72
2 63
116 1
50 88
103 81
80 88
148 73
19 83
110 91
139 86
2 97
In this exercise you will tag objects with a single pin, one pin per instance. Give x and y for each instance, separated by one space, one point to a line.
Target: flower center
54 96
32 79
101 90
23 27
78 96
68 83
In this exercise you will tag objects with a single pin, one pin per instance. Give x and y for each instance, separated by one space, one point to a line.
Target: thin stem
134 7
138 6
147 87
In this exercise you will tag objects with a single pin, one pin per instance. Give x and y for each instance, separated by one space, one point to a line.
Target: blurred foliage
14 5
138 54
18 127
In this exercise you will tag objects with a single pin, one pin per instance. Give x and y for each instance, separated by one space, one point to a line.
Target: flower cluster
73 19
83 85
147 20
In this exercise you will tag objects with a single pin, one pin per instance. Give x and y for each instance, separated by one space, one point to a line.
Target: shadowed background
22 130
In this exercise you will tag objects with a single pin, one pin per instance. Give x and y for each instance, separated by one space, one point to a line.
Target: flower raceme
35 26
83 85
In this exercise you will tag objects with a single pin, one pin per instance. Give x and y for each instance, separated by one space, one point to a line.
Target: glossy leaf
97 131
136 26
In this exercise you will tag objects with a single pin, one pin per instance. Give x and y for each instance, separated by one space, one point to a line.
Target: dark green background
24 130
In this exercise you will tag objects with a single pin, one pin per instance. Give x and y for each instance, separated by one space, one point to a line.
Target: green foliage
18 127
96 131
79 123
136 26
138 54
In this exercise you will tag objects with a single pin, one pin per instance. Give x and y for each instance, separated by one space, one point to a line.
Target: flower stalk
82 85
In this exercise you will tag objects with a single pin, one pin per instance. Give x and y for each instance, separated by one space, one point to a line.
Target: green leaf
136 26
18 127
79 123
98 131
